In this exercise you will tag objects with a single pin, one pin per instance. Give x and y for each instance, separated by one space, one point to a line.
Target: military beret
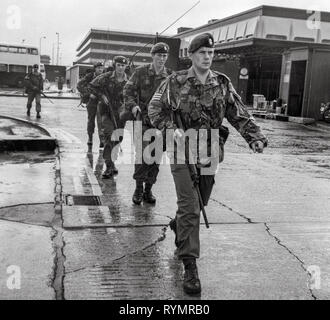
160 47
98 64
36 66
202 40
120 59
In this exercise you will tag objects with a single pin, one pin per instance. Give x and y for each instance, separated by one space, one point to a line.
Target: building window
17 68
22 50
3 68
13 49
3 49
181 53
32 51
186 52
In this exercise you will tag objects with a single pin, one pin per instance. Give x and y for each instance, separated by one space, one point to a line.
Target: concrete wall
288 57
318 83
317 80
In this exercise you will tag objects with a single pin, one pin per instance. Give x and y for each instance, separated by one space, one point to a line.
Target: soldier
201 98
137 93
84 88
34 84
108 88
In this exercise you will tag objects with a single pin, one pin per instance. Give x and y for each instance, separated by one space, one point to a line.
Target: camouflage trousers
92 114
144 172
188 213
110 154
31 97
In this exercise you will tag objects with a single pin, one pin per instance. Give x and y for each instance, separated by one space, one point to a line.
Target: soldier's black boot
28 113
108 173
147 194
38 115
90 140
191 282
138 193
173 228
114 170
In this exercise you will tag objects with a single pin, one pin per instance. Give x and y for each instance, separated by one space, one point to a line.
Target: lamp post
43 37
58 47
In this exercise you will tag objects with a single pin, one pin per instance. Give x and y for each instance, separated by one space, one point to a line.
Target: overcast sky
72 18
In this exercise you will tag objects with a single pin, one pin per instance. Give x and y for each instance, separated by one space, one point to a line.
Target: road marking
92 179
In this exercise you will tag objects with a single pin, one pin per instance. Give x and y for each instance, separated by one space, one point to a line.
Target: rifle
46 97
192 169
112 116
81 104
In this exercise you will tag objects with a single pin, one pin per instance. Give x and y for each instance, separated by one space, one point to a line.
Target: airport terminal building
277 52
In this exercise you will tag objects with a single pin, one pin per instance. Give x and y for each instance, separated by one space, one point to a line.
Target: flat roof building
103 45
260 48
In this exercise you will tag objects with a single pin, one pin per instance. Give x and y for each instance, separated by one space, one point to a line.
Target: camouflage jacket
140 88
83 85
202 106
33 82
108 85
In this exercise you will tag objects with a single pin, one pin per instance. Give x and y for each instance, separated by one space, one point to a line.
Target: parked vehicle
15 62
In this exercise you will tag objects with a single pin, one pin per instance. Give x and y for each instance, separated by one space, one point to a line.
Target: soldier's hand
105 99
136 110
92 96
257 146
178 135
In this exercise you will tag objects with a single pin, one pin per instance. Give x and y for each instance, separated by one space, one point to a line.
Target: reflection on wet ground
26 157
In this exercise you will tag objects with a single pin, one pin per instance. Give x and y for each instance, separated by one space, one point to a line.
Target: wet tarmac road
269 218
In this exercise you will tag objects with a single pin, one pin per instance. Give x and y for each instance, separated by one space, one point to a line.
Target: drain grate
80 200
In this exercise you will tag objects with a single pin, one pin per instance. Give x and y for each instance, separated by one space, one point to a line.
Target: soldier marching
92 101
200 98
137 94
108 88
34 85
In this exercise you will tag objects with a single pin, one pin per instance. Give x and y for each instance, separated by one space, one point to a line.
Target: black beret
98 64
160 47
202 40
120 59
36 66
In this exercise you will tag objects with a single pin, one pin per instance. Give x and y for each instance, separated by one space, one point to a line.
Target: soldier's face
98 70
159 59
120 68
202 58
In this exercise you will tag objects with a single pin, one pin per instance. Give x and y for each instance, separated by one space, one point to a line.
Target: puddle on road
26 157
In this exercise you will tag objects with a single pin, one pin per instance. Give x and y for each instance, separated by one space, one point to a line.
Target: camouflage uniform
83 87
138 91
200 106
34 85
108 85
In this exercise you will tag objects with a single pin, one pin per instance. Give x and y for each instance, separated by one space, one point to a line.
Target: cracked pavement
269 220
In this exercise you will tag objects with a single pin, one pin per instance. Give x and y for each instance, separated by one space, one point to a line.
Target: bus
15 62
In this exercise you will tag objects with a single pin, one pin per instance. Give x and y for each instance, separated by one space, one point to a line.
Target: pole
43 37
58 47
53 54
